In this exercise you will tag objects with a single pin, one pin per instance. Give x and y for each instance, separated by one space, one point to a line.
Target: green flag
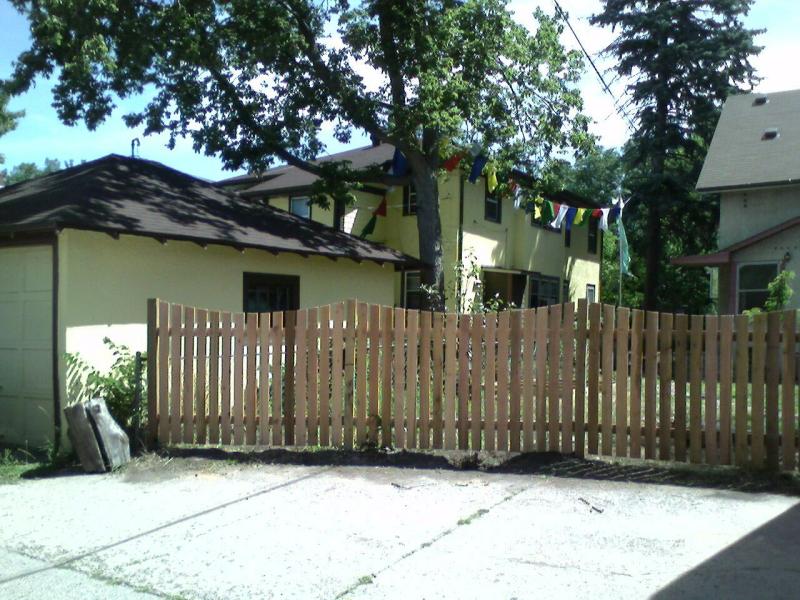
547 212
624 253
369 228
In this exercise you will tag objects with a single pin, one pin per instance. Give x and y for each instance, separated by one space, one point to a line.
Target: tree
254 81
681 60
8 122
29 170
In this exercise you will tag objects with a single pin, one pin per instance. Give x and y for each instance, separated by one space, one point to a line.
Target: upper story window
753 281
591 293
594 234
492 207
265 292
543 290
567 237
300 206
409 200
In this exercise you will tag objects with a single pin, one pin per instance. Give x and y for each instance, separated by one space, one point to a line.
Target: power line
620 111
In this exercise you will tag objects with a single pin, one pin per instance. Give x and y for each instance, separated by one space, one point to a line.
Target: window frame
308 203
251 278
593 288
488 198
549 279
418 292
409 194
593 236
755 263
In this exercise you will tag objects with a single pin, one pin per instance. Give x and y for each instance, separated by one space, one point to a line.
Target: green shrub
117 387
779 291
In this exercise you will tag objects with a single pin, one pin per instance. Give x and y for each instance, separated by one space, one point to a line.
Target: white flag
604 219
562 212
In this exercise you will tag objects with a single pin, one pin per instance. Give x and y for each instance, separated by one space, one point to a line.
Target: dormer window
769 134
760 101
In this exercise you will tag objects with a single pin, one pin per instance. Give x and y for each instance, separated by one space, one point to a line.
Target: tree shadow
762 564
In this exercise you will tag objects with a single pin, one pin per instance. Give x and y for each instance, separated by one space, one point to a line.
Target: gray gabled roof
739 156
120 195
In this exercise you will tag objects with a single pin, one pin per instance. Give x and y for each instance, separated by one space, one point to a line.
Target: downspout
55 341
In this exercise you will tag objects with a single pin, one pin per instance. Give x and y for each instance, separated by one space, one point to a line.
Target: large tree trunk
429 227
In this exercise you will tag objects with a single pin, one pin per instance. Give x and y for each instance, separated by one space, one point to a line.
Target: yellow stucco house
753 163
518 259
81 251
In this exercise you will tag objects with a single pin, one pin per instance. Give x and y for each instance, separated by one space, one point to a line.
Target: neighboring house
81 250
753 163
518 259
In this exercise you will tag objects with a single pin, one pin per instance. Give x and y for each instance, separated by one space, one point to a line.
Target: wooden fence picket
238 379
425 380
650 381
188 375
788 411
515 350
635 400
594 377
337 373
695 389
501 362
607 366
665 376
773 366
476 380
399 376
711 368
374 372
213 377
289 344
580 380
300 376
450 378
623 320
163 371
226 341
462 390
489 383
568 348
251 386
540 412
387 320
553 377
361 373
741 435
528 379
437 356
201 317
757 378
264 324
412 379
725 387
312 365
349 373
325 375
276 341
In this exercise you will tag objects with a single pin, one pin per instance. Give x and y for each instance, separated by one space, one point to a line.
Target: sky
41 135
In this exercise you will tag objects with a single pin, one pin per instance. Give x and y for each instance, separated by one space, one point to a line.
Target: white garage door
26 346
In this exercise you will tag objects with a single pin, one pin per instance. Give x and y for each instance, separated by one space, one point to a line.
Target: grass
15 464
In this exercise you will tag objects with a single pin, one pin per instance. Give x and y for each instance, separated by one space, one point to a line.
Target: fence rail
585 379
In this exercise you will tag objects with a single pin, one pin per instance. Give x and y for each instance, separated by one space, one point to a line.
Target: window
565 291
543 290
412 289
591 293
265 292
492 207
409 200
753 282
594 228
567 237
300 206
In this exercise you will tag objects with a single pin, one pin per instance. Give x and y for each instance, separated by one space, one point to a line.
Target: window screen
753 282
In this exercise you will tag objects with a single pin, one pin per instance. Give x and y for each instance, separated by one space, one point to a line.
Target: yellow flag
537 211
580 215
491 179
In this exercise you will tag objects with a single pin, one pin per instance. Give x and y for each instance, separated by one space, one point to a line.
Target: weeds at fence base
547 464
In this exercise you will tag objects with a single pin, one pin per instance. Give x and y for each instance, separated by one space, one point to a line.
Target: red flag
452 162
596 213
381 210
556 208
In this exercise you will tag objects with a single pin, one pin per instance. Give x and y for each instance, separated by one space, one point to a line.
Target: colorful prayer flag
570 217
548 212
581 217
491 179
369 228
562 213
380 211
604 219
399 164
477 167
624 252
451 163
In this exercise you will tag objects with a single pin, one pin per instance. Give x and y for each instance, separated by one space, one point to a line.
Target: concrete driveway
199 528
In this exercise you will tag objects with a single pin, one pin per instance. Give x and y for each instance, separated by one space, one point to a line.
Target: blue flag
624 253
571 212
477 167
399 164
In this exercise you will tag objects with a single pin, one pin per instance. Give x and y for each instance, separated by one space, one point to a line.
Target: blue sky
40 135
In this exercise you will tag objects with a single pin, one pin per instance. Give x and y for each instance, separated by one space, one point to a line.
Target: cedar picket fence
573 379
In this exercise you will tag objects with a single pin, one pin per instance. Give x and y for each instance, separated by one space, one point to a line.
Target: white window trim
750 263
308 202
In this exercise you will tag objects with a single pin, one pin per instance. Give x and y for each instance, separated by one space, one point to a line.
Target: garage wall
105 284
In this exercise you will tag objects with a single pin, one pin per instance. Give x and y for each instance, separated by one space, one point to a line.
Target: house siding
512 244
105 283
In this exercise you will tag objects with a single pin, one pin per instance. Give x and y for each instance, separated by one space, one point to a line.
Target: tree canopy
254 82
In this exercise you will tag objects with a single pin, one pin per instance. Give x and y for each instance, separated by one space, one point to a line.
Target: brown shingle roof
116 194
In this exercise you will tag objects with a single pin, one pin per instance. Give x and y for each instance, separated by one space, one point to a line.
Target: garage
26 346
